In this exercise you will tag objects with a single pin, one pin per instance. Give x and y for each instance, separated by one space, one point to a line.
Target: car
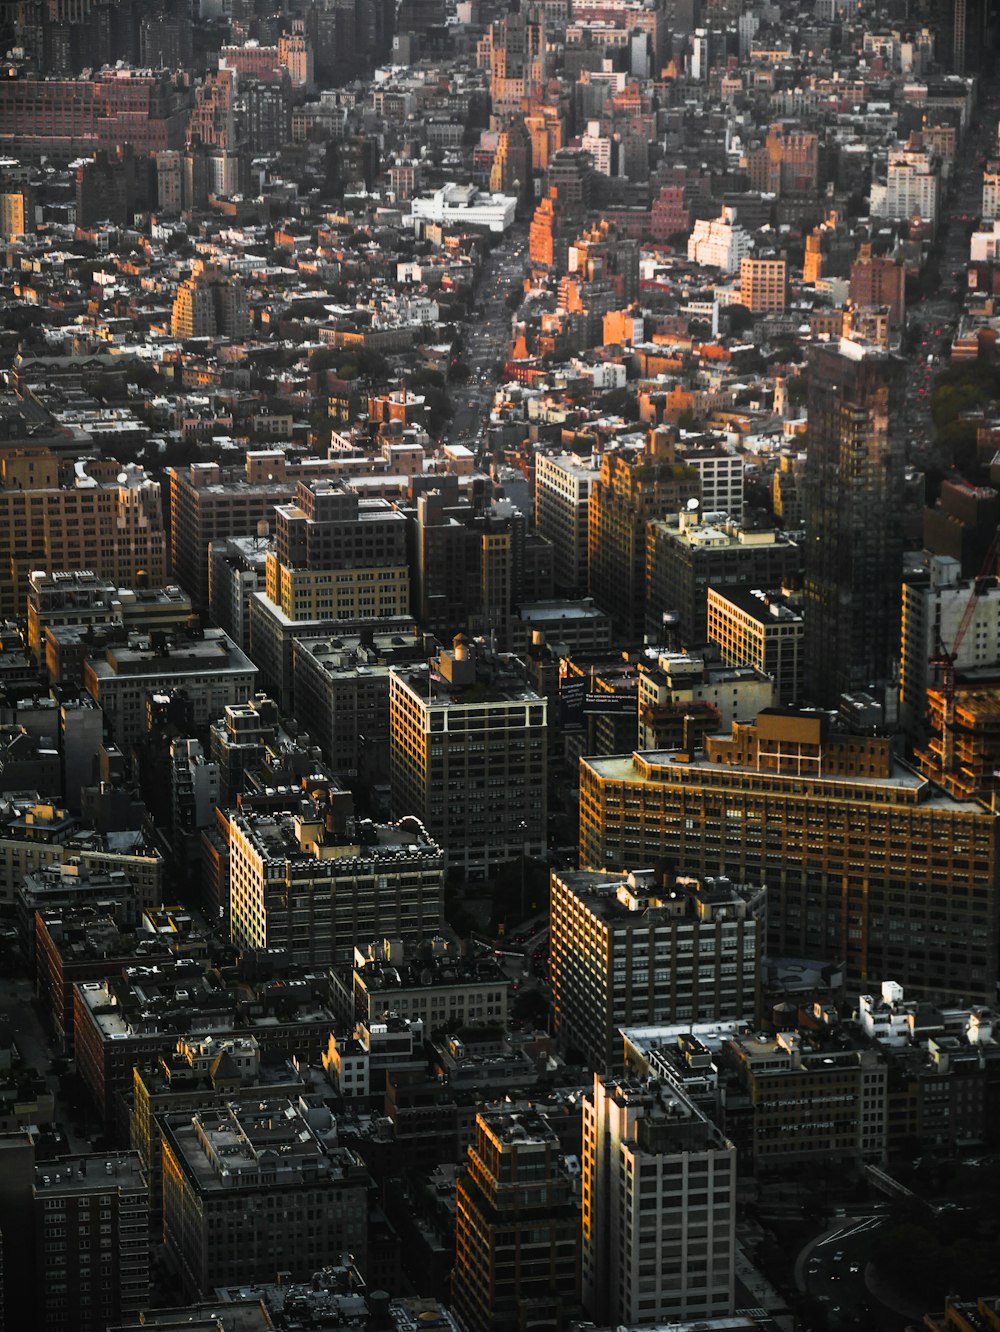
855 1267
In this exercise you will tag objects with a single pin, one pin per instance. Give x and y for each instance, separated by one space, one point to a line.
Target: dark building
517 1229
853 502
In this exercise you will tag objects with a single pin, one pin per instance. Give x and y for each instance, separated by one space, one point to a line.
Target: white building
194 788
984 247
719 243
659 1207
721 471
912 187
933 607
464 205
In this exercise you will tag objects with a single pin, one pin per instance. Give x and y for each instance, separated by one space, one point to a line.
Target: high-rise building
338 556
563 482
935 600
209 502
467 737
318 882
253 1187
93 514
91 1224
853 502
513 50
634 487
687 553
210 304
762 629
865 861
628 951
659 1207
763 284
210 669
517 1228
342 686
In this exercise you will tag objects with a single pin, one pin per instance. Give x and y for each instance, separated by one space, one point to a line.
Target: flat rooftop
90 1173
668 765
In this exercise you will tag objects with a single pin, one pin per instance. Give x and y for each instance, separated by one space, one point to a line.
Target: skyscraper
853 501
659 1207
516 1228
634 487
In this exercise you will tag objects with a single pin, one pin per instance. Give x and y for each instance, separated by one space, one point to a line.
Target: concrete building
80 597
934 602
91 1223
439 988
468 755
563 482
37 835
464 206
318 882
808 1104
236 570
759 629
722 474
865 861
209 502
635 487
211 669
201 1072
719 243
194 792
338 556
687 553
674 685
659 1207
342 686
91 514
257 1186
763 285
516 1228
210 304
626 950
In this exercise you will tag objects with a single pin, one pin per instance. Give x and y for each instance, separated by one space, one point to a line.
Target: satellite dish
122 478
692 505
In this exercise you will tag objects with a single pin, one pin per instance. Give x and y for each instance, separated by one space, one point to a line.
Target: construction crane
945 661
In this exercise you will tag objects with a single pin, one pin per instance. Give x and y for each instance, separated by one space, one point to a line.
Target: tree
740 318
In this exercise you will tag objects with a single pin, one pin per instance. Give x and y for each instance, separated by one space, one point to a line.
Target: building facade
864 860
627 951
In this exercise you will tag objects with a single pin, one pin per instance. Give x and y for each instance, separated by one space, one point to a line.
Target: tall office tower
212 122
516 1228
934 602
337 556
210 304
659 1207
91 1218
563 482
853 501
627 951
467 754
92 514
514 51
319 882
209 502
511 170
762 629
634 487
256 1187
471 568
865 862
